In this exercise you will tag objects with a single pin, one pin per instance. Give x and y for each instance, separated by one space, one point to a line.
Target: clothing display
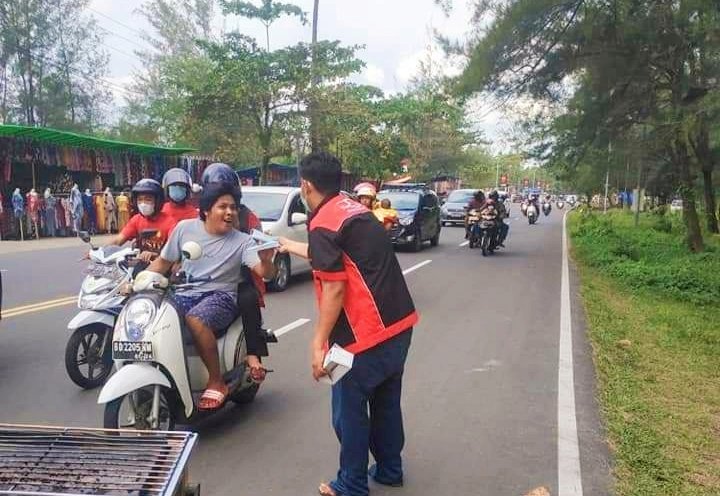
50 214
76 208
90 215
99 208
110 211
123 207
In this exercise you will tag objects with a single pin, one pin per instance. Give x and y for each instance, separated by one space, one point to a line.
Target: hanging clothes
99 207
89 207
110 211
123 208
63 213
50 214
76 208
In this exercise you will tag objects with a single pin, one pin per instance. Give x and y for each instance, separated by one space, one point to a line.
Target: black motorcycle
483 235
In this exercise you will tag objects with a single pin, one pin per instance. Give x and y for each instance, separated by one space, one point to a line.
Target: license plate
137 351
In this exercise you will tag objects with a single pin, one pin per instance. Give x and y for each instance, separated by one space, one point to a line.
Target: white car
282 213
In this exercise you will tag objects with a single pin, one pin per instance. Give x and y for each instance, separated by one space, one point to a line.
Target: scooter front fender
87 317
130 378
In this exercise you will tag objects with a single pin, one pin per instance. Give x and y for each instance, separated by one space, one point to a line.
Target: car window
267 206
401 200
460 196
430 201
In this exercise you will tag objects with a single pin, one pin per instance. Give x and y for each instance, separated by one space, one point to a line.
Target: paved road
481 389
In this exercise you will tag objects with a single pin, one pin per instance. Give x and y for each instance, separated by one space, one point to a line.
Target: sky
396 34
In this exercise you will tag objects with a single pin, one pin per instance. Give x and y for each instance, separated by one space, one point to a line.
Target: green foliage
651 256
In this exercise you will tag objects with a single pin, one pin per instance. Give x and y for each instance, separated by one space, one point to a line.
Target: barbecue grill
65 461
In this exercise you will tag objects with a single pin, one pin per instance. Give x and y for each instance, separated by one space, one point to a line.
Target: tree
634 63
269 12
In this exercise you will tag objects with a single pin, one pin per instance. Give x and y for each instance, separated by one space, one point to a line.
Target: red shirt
180 212
163 224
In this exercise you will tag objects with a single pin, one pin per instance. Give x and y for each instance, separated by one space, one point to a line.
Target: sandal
212 399
257 374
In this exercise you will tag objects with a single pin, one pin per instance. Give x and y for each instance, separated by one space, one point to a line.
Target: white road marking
416 267
569 473
464 243
290 327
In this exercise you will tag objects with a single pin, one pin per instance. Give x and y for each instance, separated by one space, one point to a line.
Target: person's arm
118 240
331 304
294 247
160 265
266 267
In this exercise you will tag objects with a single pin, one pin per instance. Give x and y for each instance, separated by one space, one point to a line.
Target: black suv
419 215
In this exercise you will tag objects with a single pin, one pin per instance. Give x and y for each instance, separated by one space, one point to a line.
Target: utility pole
314 124
497 174
607 178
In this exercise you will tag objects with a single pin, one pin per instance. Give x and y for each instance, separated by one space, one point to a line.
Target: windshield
460 197
267 206
401 201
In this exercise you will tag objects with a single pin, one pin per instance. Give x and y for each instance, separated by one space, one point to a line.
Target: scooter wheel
119 412
85 366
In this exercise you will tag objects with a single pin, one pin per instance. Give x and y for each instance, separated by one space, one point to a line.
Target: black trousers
248 301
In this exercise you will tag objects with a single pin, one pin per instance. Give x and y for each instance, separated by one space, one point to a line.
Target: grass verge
656 353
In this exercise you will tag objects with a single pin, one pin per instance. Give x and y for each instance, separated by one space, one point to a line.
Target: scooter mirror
85 236
191 250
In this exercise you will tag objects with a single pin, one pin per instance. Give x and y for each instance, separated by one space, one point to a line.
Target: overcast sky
397 35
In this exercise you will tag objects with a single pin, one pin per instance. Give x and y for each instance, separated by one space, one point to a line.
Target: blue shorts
216 309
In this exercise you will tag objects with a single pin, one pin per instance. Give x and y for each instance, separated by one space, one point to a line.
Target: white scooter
560 204
160 375
546 208
87 354
532 213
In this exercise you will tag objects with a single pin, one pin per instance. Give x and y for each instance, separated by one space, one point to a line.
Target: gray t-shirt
222 256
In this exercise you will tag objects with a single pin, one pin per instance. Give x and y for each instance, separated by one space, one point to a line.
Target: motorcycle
483 232
560 204
546 208
159 375
524 208
88 361
532 214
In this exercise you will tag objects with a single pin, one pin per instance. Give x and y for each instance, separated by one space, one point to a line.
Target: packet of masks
264 241
337 363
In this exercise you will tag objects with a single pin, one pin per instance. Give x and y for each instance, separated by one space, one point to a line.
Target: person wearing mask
210 307
150 227
365 307
177 185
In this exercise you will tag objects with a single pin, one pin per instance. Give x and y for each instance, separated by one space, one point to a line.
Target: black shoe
373 474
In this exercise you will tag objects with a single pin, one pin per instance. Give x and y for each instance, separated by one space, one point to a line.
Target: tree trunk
687 192
710 204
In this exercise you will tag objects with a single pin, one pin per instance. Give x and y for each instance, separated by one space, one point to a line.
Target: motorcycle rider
534 200
147 198
387 215
366 195
502 214
211 306
178 188
477 203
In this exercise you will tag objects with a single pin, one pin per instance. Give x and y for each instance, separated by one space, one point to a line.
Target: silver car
282 213
453 210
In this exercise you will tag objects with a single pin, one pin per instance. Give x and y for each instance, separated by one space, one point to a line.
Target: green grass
656 347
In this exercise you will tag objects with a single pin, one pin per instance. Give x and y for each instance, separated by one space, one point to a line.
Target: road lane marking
569 473
416 267
16 312
42 304
290 327
464 243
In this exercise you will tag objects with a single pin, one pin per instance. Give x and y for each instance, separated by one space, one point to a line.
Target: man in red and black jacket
365 307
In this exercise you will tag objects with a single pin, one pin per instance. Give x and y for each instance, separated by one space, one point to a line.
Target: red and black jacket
348 243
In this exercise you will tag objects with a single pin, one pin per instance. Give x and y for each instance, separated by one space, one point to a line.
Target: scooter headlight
139 314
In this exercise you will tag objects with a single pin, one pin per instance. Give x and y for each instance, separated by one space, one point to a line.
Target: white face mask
146 209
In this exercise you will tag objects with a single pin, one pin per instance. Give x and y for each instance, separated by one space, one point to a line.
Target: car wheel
417 243
444 224
282 274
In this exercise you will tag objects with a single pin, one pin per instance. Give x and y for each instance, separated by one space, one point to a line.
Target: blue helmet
220 173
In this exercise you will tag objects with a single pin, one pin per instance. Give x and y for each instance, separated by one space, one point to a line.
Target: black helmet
220 173
494 196
150 187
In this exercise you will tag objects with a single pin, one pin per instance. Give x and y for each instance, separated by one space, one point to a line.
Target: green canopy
64 138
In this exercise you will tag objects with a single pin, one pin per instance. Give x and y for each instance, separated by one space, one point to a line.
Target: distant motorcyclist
177 185
502 214
366 195
477 203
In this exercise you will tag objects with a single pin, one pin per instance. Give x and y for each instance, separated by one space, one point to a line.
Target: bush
651 257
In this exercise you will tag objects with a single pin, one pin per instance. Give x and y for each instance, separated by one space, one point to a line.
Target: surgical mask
146 209
177 193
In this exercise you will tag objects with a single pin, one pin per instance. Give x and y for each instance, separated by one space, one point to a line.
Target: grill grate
64 461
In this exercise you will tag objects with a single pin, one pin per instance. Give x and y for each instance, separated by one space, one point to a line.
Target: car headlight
406 221
138 316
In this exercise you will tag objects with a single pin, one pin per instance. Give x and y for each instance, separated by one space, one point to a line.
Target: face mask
303 199
177 193
146 209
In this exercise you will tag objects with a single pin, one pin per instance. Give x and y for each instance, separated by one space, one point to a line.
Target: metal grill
64 461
